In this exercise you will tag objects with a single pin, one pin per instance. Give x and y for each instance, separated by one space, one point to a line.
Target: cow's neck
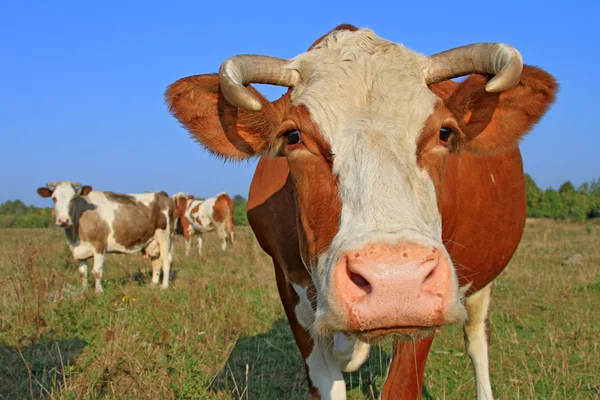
71 232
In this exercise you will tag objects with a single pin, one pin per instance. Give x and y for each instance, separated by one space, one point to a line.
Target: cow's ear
44 192
224 129
493 122
85 190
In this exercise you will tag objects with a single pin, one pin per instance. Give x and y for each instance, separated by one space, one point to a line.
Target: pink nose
63 221
387 287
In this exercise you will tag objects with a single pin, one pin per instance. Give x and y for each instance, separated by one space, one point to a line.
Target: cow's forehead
369 100
357 77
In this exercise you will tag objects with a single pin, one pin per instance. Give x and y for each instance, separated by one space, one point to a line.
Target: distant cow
200 216
97 223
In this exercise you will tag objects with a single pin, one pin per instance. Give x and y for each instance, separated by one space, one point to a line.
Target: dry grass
219 332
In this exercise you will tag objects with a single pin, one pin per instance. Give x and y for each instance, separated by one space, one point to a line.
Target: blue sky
83 82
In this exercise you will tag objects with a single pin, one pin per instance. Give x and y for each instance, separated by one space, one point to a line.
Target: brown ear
225 130
85 190
494 122
190 197
44 192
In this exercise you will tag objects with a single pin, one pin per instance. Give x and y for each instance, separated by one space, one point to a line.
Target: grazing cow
97 223
200 216
387 194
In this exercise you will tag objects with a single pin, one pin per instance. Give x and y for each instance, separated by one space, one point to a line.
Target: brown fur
135 223
223 209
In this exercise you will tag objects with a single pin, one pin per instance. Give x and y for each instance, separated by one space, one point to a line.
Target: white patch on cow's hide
323 368
324 371
304 311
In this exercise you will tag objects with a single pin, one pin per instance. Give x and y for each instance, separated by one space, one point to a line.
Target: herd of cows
97 223
388 195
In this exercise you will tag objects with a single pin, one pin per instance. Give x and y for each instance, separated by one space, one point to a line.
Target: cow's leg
200 235
156 264
83 272
222 234
188 245
97 271
188 234
163 238
476 339
404 380
325 380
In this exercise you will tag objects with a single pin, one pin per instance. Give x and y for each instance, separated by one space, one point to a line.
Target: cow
200 216
97 223
388 196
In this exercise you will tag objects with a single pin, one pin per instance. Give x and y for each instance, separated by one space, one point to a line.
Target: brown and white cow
387 195
200 216
98 222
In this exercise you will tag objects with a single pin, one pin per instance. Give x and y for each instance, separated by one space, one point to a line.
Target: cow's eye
293 137
445 133
54 199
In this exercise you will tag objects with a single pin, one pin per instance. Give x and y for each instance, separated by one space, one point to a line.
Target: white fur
323 368
373 133
478 306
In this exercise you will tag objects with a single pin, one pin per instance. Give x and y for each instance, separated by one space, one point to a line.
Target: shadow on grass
141 277
268 366
44 374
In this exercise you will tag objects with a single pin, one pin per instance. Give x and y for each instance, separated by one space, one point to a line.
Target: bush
7 221
239 210
32 221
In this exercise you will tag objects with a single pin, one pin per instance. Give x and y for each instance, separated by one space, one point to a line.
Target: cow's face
366 139
63 195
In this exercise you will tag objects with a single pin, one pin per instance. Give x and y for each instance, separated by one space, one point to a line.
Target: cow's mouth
400 333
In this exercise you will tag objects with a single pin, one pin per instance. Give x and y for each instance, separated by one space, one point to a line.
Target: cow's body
106 222
200 216
395 196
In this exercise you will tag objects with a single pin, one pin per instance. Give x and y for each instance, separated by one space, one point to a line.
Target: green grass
219 331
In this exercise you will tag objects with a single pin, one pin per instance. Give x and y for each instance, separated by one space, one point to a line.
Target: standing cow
378 174
200 216
97 223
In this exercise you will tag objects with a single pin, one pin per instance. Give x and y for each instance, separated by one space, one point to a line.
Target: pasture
219 332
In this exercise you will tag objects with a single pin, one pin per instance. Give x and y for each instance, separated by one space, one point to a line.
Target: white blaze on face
63 195
369 99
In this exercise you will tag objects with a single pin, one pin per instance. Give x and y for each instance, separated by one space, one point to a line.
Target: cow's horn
241 70
501 60
50 185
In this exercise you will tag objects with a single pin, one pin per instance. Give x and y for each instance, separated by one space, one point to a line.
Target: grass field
219 331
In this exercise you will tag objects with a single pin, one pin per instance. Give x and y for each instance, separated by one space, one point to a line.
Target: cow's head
63 194
366 128
181 200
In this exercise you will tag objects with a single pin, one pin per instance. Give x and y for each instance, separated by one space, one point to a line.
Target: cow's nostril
360 281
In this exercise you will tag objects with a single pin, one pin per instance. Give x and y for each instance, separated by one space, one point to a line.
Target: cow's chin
402 334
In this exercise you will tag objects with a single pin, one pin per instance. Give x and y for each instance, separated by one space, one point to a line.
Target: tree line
16 214
566 203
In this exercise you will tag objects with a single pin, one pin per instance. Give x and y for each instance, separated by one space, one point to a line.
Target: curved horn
50 185
241 70
501 60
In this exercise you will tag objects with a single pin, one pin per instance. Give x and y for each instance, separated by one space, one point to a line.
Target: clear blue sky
82 82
